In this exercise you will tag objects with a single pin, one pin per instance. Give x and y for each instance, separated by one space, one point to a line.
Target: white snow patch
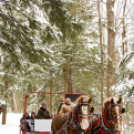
2 102
12 125
130 65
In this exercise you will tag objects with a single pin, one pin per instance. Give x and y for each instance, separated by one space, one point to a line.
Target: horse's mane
108 100
80 99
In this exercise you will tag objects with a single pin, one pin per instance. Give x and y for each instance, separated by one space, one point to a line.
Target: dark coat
43 114
27 124
61 104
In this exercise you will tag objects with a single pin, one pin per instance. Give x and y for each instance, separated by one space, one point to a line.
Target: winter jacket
27 124
43 114
61 104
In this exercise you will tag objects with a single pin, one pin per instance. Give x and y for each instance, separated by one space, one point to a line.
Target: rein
73 123
84 103
117 115
103 125
105 119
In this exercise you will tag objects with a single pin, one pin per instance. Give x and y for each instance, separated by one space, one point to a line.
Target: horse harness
102 123
72 122
75 125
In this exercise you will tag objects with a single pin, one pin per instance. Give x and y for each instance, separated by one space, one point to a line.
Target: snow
12 125
130 65
124 85
2 102
2 40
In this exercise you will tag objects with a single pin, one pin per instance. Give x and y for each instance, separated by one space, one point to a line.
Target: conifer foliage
69 46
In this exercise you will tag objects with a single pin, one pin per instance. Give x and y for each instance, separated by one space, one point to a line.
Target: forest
66 46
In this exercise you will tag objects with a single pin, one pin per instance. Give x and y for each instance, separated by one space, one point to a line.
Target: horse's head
115 111
84 111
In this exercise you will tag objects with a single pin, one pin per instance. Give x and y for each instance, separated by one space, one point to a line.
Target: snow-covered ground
12 125
13 122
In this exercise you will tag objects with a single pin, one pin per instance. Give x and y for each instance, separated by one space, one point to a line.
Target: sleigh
41 126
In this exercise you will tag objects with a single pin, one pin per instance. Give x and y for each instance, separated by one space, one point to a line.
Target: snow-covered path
12 126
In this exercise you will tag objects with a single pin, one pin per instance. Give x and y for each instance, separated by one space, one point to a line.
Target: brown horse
78 121
110 121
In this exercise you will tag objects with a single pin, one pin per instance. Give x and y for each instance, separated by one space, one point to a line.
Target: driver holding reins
67 107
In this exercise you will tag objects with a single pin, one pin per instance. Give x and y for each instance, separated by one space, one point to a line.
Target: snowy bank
12 126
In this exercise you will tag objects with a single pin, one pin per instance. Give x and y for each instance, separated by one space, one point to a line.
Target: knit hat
44 104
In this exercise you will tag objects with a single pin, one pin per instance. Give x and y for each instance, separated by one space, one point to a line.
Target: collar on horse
74 124
103 125
105 128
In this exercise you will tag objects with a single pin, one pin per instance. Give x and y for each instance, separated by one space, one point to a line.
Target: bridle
85 115
116 115
103 125
72 121
104 122
76 124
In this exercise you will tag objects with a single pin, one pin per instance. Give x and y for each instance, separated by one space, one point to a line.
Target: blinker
123 110
92 109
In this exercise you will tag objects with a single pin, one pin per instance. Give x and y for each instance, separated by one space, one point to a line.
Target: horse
110 121
77 121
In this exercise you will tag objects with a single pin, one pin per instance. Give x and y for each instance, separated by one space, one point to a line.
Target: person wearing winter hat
43 113
67 107
27 122
32 117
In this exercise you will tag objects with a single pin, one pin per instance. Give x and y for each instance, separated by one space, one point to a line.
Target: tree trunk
65 75
70 88
51 88
11 102
5 107
67 71
111 40
6 90
123 34
4 113
101 48
124 31
15 103
70 80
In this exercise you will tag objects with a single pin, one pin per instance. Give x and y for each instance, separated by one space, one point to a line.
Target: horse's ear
112 100
79 100
90 100
119 101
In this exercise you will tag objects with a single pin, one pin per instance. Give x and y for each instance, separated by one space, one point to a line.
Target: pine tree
111 44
